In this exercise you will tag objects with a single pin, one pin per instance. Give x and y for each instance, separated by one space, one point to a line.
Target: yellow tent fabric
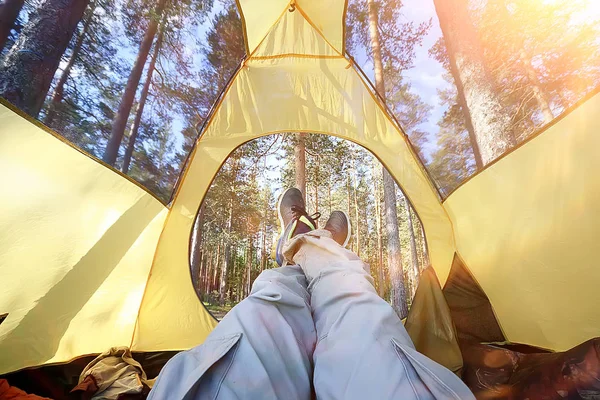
294 89
76 245
528 228
90 260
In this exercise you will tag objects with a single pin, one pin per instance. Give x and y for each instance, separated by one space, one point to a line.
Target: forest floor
217 310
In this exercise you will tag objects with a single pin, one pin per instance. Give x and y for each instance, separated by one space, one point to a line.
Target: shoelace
298 212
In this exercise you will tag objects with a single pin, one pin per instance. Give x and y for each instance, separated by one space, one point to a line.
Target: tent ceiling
327 16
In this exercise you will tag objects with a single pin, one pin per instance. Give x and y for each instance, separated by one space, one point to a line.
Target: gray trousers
314 328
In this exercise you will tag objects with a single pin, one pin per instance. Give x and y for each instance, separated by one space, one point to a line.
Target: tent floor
505 371
56 381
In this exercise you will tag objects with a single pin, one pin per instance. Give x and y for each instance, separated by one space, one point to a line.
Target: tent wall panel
76 245
528 228
327 16
271 96
306 40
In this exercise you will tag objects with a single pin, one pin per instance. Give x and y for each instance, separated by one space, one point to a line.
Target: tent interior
90 259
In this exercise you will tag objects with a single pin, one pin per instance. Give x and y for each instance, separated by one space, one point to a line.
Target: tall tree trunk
200 277
142 103
265 212
414 257
217 270
263 246
381 281
389 189
233 286
59 90
27 70
348 202
316 209
356 216
427 263
300 162
196 241
249 266
120 121
329 192
227 256
534 84
208 276
477 93
9 11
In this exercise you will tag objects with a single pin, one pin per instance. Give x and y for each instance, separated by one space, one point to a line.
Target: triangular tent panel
528 228
76 245
90 260
326 16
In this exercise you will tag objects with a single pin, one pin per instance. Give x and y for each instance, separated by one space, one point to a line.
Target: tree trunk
316 210
356 216
535 85
9 11
329 192
427 263
249 266
59 90
216 271
389 190
300 163
414 258
476 89
200 277
227 257
263 246
120 122
27 70
196 240
263 255
233 285
348 202
143 96
381 281
208 276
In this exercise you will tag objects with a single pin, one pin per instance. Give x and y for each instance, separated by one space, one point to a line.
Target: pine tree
59 89
9 13
121 117
389 189
27 70
142 102
486 119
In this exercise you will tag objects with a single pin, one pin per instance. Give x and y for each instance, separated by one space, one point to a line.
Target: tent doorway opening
236 226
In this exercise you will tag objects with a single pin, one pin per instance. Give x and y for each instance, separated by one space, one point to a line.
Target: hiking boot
339 226
293 219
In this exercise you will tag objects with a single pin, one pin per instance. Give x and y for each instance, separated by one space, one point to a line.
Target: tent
89 259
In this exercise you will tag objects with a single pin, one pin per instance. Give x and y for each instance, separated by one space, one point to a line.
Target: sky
426 77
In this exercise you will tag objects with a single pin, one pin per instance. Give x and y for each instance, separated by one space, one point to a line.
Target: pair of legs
315 327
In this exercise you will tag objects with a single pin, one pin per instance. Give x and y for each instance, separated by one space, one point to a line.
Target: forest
132 82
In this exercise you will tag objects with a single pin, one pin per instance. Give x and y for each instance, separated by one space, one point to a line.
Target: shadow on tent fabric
53 312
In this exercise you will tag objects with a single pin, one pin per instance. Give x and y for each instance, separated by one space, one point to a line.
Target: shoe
339 226
293 219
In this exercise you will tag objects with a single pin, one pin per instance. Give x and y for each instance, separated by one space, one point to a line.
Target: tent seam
466 266
59 137
533 136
